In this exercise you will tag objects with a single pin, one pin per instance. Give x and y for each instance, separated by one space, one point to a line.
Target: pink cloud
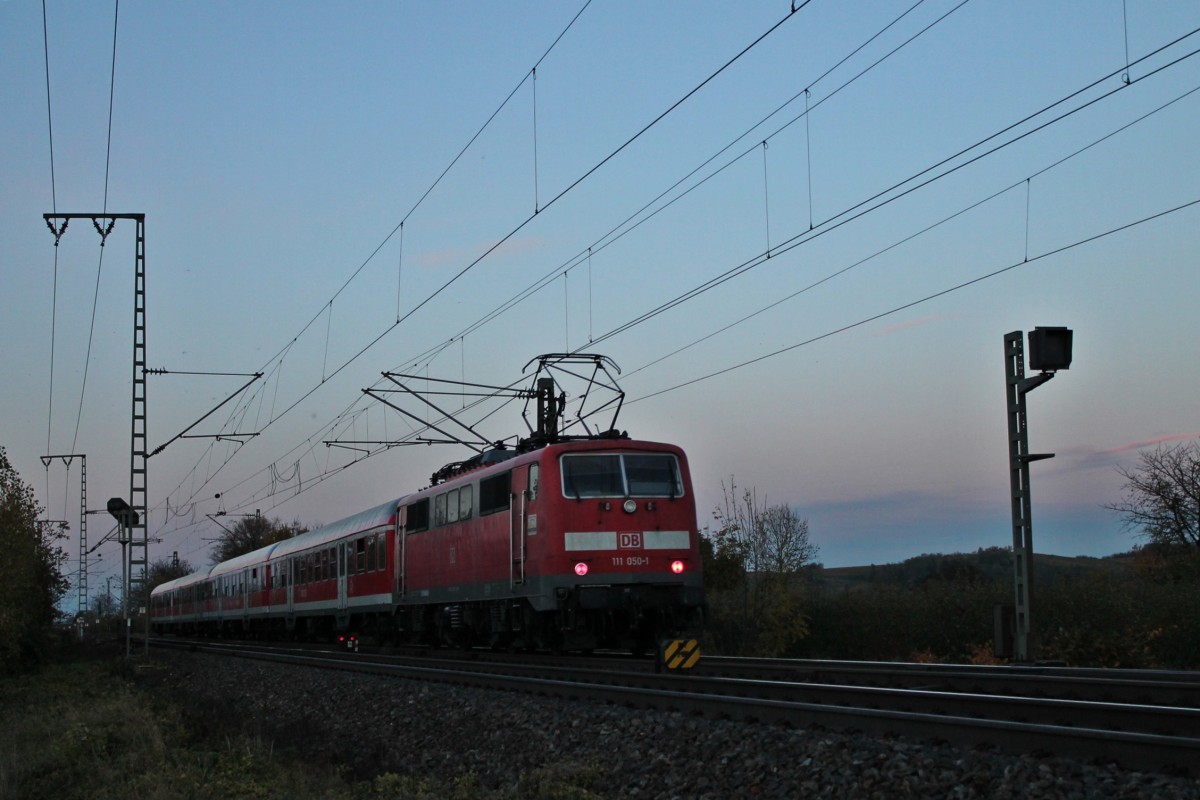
1178 437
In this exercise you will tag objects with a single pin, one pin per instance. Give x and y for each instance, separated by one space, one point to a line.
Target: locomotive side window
439 510
418 516
465 496
494 493
533 481
451 498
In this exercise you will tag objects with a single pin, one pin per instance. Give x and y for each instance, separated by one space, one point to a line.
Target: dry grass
84 730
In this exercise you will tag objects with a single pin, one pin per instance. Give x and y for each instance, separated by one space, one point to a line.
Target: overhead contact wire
112 83
935 295
524 223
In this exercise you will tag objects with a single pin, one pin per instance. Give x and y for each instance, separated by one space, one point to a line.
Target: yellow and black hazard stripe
680 653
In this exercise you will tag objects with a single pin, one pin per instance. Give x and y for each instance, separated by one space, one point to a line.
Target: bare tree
161 571
249 534
1162 495
783 540
763 550
770 539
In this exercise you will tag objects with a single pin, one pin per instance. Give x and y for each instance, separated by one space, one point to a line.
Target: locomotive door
341 569
289 568
522 520
401 551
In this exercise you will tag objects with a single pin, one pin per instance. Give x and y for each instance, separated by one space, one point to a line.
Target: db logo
629 540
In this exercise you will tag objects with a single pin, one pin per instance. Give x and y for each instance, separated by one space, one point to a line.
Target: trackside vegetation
1135 610
31 579
84 730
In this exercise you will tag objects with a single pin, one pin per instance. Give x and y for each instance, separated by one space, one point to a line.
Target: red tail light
581 569
677 567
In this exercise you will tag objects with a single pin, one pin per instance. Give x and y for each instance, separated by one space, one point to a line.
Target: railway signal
1049 351
127 519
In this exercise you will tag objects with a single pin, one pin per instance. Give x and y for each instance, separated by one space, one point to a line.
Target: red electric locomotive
571 542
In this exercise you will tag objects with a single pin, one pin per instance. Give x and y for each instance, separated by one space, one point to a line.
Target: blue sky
275 149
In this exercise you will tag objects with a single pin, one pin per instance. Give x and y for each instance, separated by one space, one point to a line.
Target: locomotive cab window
621 475
652 475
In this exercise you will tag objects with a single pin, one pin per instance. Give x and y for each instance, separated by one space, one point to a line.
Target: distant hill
991 563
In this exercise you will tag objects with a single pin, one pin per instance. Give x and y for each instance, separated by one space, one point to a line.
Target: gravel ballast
368 725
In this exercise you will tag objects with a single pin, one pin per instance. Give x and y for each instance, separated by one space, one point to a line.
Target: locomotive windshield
621 475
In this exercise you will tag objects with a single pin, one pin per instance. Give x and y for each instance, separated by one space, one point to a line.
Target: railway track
1024 710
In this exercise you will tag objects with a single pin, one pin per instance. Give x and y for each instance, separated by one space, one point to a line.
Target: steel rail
1143 749
1158 687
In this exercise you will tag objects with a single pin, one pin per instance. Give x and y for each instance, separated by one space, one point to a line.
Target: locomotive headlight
630 506
677 567
581 569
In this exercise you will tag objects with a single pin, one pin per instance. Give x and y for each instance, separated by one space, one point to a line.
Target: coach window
465 497
381 542
418 516
494 492
360 555
371 553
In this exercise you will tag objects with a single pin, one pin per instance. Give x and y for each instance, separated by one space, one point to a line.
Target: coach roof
326 534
